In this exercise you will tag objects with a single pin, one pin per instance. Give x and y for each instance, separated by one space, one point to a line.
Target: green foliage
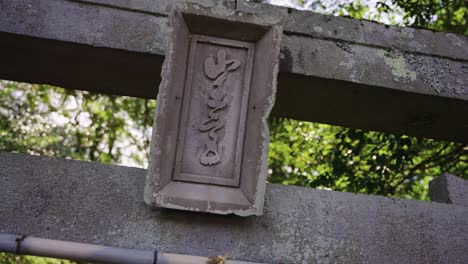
353 160
46 120
12 259
442 15
355 9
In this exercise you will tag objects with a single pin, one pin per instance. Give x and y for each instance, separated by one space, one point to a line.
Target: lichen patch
400 70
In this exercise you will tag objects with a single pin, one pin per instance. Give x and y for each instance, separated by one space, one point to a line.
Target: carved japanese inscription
210 137
211 131
216 71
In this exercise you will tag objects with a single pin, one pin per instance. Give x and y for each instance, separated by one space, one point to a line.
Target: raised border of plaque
210 137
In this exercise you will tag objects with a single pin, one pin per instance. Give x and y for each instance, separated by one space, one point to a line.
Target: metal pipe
25 245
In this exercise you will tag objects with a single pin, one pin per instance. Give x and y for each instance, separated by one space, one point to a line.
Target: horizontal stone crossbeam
102 204
333 70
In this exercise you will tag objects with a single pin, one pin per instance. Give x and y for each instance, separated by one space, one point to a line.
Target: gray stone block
102 204
449 188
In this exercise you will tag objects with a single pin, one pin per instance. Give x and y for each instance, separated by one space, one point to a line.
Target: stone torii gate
332 70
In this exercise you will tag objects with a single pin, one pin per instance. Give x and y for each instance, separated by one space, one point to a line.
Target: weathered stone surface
395 79
210 138
448 188
95 203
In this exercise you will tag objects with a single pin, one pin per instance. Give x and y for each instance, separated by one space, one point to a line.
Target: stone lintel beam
102 204
333 70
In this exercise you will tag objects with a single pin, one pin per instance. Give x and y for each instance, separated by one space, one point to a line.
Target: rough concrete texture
448 188
395 79
95 203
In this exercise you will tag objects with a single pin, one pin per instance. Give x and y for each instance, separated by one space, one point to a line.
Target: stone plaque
212 127
210 138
